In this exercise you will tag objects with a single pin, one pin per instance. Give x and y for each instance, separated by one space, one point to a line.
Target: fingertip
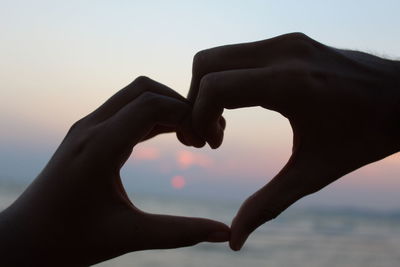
217 231
195 140
182 139
176 231
214 146
200 144
215 136
245 222
236 242
219 236
234 246
189 136
238 234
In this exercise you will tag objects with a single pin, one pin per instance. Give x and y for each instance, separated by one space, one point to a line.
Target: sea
301 236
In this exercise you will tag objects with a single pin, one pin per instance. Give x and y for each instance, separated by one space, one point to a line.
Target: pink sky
62 60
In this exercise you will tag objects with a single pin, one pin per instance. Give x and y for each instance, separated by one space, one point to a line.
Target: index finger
266 87
248 55
301 176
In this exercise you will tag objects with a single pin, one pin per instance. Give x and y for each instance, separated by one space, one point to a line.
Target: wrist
12 241
19 235
397 69
397 86
397 90
23 245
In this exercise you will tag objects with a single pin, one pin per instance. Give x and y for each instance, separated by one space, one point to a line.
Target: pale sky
61 59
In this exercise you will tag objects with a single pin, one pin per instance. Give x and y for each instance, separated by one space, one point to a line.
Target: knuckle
199 61
304 49
77 126
79 138
142 81
301 45
298 36
209 85
199 57
149 99
289 38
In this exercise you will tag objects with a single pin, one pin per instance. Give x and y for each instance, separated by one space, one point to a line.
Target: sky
62 59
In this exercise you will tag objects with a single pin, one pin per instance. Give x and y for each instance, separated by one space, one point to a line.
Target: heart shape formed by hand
341 118
342 106
77 211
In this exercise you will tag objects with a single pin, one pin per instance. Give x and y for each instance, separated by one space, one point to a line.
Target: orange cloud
146 153
186 159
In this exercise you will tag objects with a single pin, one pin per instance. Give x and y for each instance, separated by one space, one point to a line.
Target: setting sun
178 182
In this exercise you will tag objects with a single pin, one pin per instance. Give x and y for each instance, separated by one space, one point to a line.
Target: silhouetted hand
343 106
76 212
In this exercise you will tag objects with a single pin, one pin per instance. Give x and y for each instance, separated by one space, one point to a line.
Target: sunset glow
186 159
60 60
146 153
178 182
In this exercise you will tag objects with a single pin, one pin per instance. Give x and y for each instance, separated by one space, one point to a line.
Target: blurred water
299 237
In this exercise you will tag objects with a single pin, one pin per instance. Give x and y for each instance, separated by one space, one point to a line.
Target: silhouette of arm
76 212
343 106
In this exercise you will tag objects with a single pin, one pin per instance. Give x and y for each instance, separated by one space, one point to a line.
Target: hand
76 212
343 107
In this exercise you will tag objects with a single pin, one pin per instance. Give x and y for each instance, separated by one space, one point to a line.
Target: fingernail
239 244
237 247
218 237
216 136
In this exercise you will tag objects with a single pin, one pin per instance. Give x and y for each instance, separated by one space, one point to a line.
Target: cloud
186 159
146 153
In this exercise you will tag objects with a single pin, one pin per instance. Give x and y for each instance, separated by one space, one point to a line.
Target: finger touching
137 119
175 231
291 184
126 95
236 89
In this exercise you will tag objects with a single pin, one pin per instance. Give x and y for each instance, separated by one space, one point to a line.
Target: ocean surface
311 237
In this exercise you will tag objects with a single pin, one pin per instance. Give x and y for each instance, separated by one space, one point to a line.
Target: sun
178 182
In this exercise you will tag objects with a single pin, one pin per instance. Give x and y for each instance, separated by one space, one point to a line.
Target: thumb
136 230
291 184
164 231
